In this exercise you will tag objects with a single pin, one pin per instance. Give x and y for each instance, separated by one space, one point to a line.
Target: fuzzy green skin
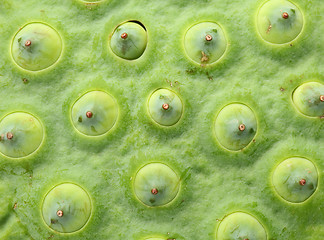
215 182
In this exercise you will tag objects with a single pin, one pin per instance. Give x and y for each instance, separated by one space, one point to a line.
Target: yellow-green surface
215 182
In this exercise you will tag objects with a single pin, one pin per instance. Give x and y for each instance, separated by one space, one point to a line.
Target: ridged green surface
214 182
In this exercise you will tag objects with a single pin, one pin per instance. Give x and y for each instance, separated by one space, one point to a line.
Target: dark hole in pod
139 23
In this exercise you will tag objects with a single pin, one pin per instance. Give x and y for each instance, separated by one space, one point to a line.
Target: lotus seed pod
156 184
235 126
129 40
240 226
309 99
66 208
36 46
95 113
295 179
165 107
205 43
279 21
21 134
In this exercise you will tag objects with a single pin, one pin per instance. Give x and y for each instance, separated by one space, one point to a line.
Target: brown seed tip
241 127
59 213
165 106
154 191
9 135
285 15
124 35
209 37
27 43
322 98
302 182
89 114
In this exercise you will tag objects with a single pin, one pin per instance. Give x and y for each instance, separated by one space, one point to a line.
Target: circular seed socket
95 113
279 21
66 208
36 46
129 40
295 179
21 134
235 126
240 226
309 99
165 107
156 176
205 43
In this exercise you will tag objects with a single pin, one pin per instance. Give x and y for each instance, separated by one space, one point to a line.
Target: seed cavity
124 35
154 191
285 15
89 114
165 106
209 37
27 43
242 127
302 182
59 213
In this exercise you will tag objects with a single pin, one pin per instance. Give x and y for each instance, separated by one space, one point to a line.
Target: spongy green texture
215 182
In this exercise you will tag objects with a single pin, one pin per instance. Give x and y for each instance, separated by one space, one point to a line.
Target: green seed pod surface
95 113
240 226
66 208
156 184
21 134
165 107
129 40
205 43
36 46
309 99
295 179
235 126
279 21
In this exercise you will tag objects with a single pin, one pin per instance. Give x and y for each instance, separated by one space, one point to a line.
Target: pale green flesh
201 50
273 27
287 176
162 116
44 50
104 111
75 204
240 226
227 126
27 134
214 181
156 176
307 99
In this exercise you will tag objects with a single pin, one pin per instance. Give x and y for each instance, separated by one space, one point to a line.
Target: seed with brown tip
27 43
154 191
59 213
89 114
209 37
285 15
322 98
124 35
241 127
165 106
9 135
302 182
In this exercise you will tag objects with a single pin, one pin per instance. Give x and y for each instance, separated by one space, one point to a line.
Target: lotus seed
322 98
209 37
242 127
